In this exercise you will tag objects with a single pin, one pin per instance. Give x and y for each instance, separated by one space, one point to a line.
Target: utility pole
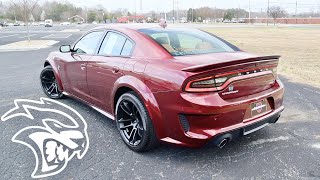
295 15
268 13
135 11
140 6
178 11
249 11
86 15
173 12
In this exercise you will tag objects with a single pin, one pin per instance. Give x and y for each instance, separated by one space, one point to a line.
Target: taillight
205 84
211 83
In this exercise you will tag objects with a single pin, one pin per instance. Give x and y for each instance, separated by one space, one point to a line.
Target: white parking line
58 36
8 36
47 36
68 36
27 36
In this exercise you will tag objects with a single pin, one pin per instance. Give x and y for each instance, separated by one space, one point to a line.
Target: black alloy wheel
134 124
49 84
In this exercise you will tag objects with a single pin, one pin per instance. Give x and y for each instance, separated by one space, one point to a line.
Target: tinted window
181 42
88 44
112 44
127 48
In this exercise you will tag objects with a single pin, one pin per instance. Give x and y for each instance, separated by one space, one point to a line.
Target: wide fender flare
146 96
56 72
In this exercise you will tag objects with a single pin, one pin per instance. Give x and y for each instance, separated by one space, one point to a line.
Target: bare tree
25 7
276 12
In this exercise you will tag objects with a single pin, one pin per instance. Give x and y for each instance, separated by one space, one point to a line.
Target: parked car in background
234 20
65 23
181 86
17 23
41 23
48 23
241 21
10 24
227 21
3 24
34 24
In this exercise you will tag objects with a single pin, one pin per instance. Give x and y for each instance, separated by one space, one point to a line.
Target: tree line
32 10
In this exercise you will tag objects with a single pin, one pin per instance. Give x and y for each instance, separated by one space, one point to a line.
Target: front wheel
49 83
134 124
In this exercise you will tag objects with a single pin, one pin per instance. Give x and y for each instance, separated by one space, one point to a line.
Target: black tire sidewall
132 97
49 68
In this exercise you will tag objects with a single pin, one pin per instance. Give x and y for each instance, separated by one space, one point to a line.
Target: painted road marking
8 36
47 36
58 36
27 36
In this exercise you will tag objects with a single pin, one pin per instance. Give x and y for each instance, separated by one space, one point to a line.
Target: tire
131 114
49 84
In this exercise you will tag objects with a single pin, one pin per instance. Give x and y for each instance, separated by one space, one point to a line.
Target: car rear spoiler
204 67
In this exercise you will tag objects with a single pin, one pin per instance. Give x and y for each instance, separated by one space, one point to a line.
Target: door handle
115 69
83 66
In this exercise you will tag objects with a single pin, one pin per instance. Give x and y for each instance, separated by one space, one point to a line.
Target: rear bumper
195 119
245 129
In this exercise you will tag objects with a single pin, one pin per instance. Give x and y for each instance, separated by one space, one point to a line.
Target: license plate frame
258 107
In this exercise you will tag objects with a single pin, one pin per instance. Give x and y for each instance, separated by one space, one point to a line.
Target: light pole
249 11
173 12
135 11
268 13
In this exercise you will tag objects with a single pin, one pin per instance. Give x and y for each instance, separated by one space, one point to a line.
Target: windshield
180 42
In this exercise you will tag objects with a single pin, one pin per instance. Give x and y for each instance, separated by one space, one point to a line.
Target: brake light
205 84
211 83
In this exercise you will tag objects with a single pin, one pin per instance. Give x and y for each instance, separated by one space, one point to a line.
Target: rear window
187 42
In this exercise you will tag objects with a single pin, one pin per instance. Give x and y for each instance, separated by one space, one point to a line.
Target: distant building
131 19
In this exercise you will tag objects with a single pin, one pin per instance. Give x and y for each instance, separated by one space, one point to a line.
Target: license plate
259 107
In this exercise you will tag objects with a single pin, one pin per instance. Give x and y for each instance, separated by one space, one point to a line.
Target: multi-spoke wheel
134 123
49 83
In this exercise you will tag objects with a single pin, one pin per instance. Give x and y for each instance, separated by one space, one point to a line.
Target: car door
104 69
74 69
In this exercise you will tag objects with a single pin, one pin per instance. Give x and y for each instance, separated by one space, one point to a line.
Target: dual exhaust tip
223 143
223 140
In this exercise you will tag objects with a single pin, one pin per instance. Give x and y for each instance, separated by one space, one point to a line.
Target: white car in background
41 23
48 23
65 23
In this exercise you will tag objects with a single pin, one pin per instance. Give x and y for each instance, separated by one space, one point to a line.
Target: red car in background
181 86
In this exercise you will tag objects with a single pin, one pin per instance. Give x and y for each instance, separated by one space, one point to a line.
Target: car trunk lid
245 74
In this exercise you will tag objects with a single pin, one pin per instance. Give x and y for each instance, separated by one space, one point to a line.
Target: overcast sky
167 5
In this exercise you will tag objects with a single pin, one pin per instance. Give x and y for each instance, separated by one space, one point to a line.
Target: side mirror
65 48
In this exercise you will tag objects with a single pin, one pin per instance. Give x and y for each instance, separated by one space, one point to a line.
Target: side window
89 43
113 44
127 48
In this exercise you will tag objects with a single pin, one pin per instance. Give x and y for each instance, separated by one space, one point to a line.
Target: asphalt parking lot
289 149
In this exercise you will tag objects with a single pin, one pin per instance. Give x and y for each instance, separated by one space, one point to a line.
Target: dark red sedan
182 86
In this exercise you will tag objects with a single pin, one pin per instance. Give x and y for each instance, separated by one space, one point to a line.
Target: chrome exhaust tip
223 143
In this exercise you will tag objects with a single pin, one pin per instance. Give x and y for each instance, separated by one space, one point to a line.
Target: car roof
138 27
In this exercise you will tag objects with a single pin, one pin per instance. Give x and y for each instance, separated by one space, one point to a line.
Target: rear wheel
49 83
134 124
